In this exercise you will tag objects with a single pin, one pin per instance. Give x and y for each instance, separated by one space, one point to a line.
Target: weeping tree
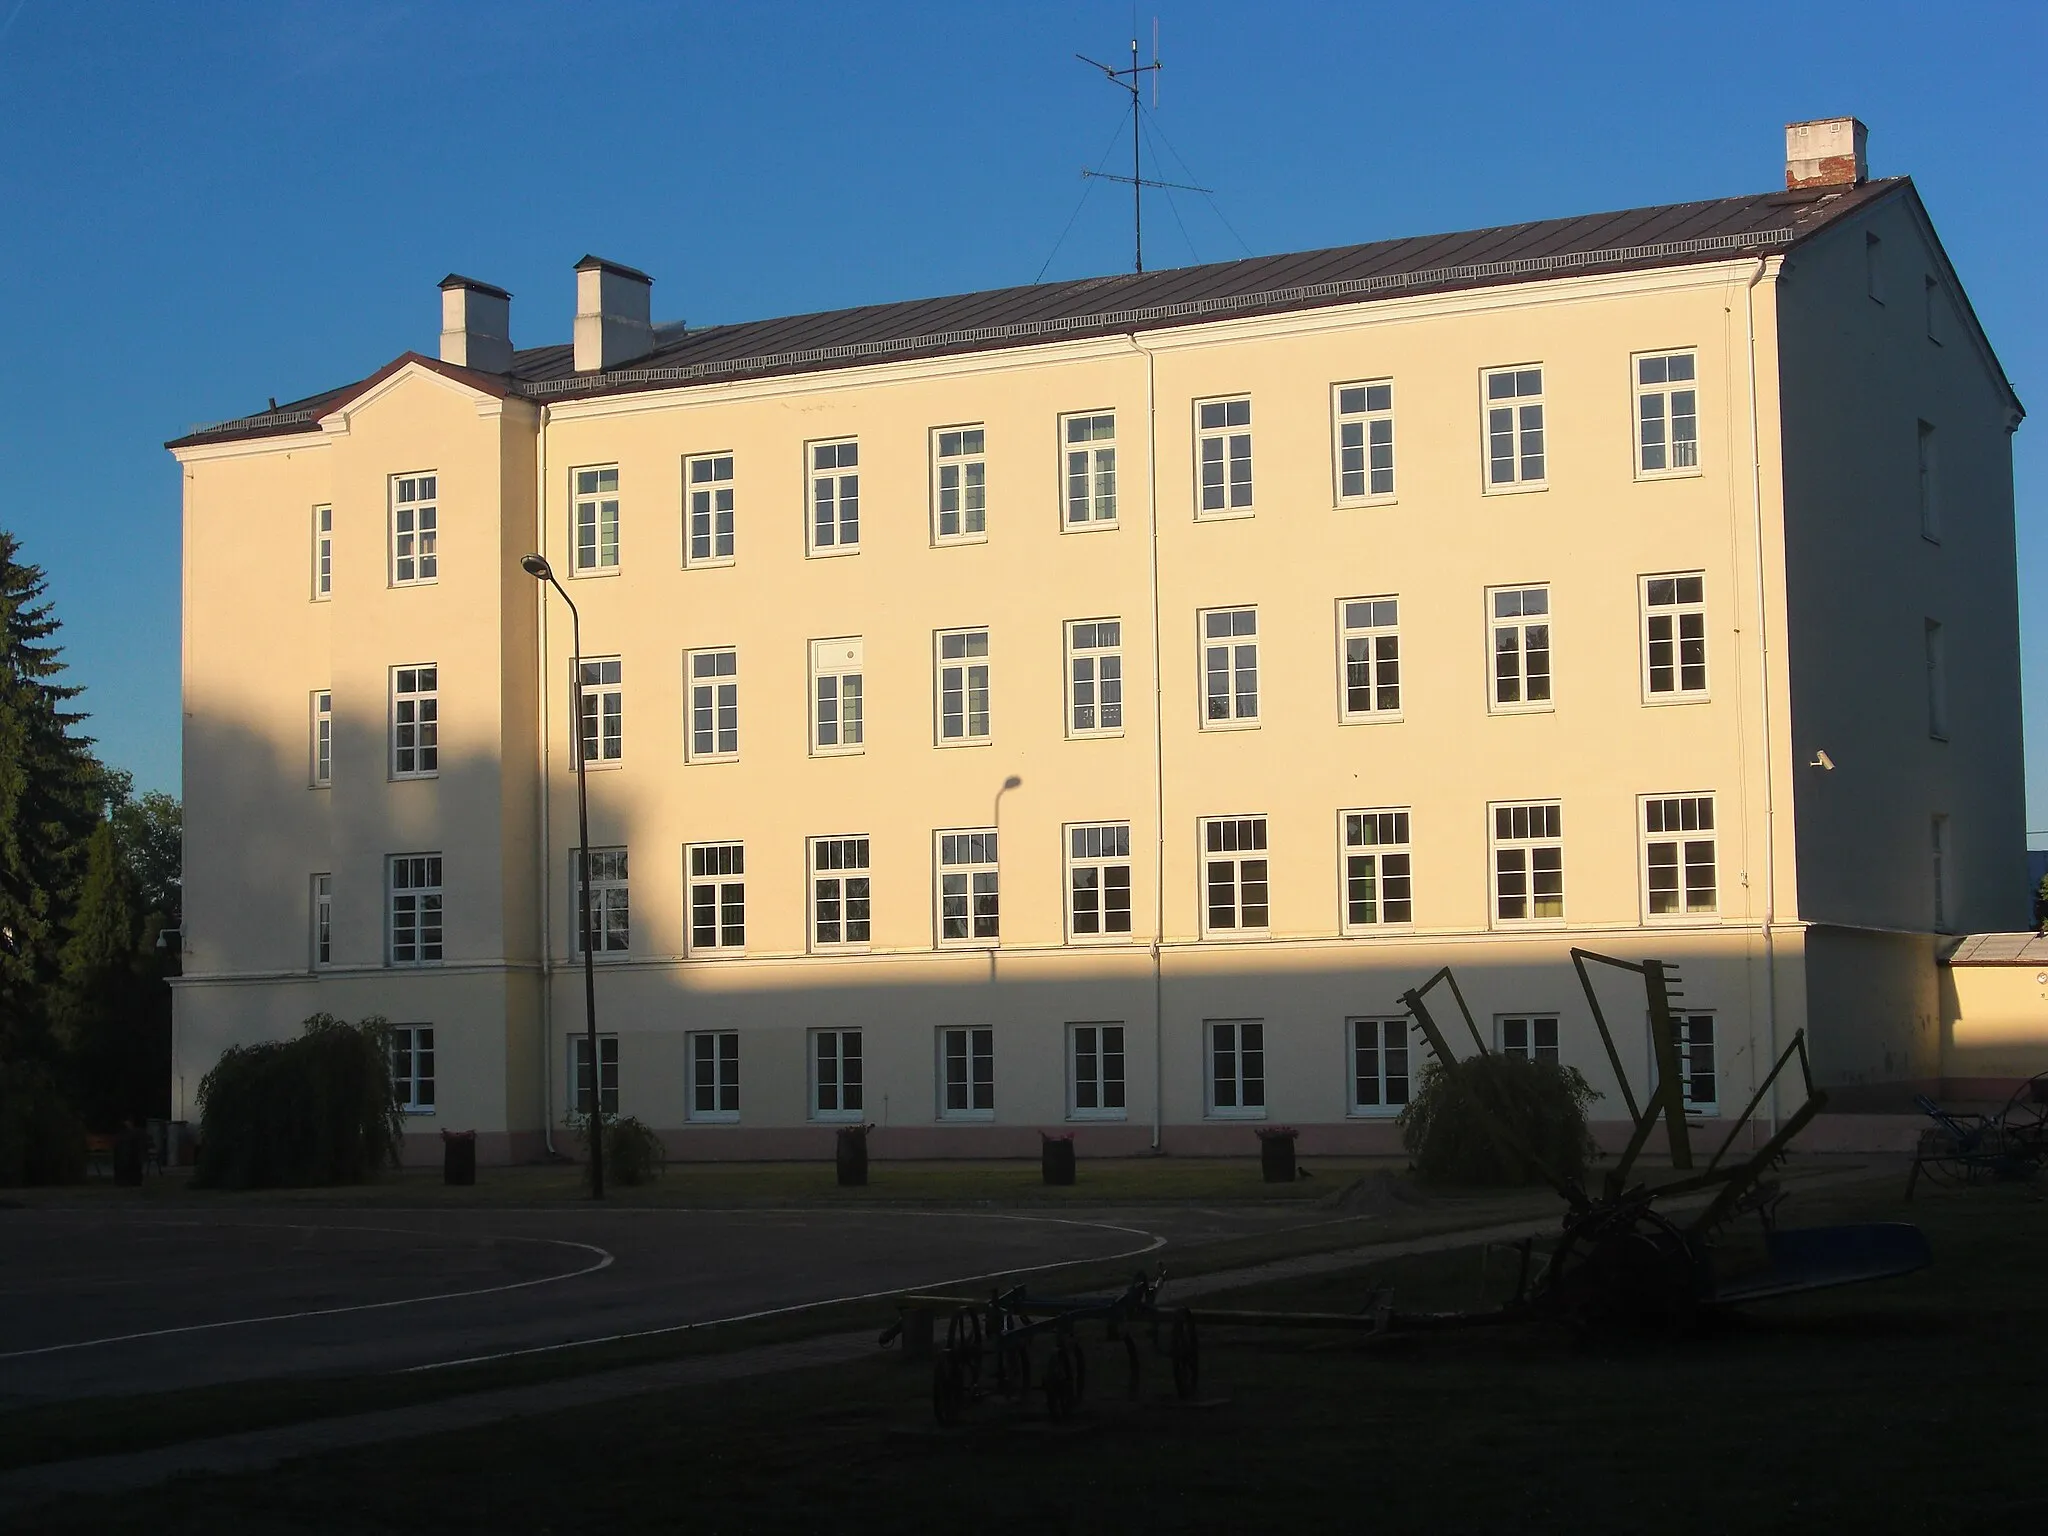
1445 1127
318 1109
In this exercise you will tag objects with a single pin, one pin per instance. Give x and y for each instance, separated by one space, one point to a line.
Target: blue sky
204 206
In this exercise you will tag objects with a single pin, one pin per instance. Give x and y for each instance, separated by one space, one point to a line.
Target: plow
1634 1256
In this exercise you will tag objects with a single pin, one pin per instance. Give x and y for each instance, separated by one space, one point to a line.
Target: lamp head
1013 782
536 566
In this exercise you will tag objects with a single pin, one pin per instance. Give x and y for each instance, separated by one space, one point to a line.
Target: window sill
716 952
1930 538
955 540
831 552
1522 709
838 1116
839 949
1667 700
601 765
965 741
1235 1114
1230 725
1115 734
1102 525
417 1109
1373 930
711 762
710 563
415 778
714 1117
1681 919
1374 1111
1103 940
1391 717
424 581
321 597
596 572
860 751
1523 924
1352 503
321 784
1649 476
1226 515
1097 1116
966 1116
1519 488
1940 736
412 965
1235 935
970 946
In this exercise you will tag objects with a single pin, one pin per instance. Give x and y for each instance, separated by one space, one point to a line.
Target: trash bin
1276 1154
1056 1158
853 1154
458 1157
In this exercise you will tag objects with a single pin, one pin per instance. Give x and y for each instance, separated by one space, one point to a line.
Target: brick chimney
613 309
1827 152
476 325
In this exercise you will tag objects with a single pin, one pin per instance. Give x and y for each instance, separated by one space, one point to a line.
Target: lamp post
995 821
537 567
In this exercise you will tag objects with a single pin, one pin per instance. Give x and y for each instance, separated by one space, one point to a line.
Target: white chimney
1826 153
613 309
476 325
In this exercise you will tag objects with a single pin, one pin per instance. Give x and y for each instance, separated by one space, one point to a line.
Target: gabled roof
1635 239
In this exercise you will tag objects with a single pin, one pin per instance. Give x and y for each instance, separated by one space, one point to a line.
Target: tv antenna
1130 80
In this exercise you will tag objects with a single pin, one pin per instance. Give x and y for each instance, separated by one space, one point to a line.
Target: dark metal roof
1677 234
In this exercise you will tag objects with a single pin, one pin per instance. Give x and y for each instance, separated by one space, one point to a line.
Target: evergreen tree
99 1006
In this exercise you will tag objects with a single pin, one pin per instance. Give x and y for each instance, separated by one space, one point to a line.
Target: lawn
1912 1404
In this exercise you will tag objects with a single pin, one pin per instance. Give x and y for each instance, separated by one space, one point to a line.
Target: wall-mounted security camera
1822 760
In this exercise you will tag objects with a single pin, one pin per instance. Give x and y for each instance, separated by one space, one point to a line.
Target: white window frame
1242 1043
710 495
1095 850
594 490
1090 452
1232 648
1367 839
1102 662
1685 1024
822 1045
1372 417
600 712
1519 622
1517 405
843 876
711 733
1934 642
611 910
419 898
1372 624
1666 842
1091 1053
718 870
412 1068
964 665
966 888
839 662
719 1050
1683 607
1373 1047
416 721
415 547
1668 394
1229 443
1530 844
970 1051
1528 1036
323 921
1927 450
844 488
1236 839
573 1080
322 704
323 553
967 463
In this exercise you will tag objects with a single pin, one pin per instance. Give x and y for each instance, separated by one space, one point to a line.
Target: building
1642 581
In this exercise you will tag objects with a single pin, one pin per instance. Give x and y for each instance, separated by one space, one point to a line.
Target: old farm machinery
1965 1148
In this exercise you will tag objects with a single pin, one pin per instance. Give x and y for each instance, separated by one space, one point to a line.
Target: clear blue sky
203 206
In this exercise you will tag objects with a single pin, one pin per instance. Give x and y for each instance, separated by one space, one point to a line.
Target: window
415 722
1930 303
1379 1065
323 738
1230 667
967 1074
1370 636
415 529
596 530
607 1075
1095 677
1528 863
1667 415
1095 1072
1937 679
1941 874
1930 502
1377 881
967 887
1514 428
1099 881
839 892
963 686
1237 1066
1674 637
835 1074
835 496
416 909
323 552
714 705
601 697
838 724
323 920
715 1075
1089 442
718 897
1365 442
610 918
412 1068
1234 874
1873 267
1532 1037
1521 648
1678 855
708 484
959 486
1699 1081
1223 449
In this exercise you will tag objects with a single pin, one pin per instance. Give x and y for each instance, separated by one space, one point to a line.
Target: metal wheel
1622 1271
948 1391
1185 1350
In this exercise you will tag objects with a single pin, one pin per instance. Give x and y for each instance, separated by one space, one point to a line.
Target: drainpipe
1158 751
1763 630
543 873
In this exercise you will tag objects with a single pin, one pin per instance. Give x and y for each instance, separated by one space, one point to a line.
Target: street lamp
537 567
995 821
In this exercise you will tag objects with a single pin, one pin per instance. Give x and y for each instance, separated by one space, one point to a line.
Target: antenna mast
1128 80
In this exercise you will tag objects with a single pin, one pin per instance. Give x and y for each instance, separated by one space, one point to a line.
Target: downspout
544 873
1158 752
1763 631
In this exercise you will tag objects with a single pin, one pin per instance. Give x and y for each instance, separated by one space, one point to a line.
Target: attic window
1873 267
1930 293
